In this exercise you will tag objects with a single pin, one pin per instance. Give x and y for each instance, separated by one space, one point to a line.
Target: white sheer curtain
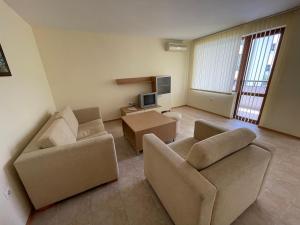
216 62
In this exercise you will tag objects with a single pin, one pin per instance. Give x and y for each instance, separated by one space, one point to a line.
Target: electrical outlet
7 193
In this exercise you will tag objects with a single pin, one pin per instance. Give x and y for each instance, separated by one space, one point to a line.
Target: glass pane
260 63
249 107
3 66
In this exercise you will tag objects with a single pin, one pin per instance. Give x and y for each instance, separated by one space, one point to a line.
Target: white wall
82 68
282 108
26 101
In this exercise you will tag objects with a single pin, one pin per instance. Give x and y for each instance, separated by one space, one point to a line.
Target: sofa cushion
58 133
91 129
68 115
183 147
211 150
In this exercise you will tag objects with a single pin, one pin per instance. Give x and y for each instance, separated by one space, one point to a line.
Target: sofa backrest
205 129
215 148
238 179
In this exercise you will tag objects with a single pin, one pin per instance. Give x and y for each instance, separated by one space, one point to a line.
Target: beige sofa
208 179
70 154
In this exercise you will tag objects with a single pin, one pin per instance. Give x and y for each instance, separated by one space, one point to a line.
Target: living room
149 112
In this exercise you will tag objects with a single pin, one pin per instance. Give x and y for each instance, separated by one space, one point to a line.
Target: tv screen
163 84
147 100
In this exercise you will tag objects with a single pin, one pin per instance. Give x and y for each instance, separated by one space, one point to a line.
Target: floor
131 200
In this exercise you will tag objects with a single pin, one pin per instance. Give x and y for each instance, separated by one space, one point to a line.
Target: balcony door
258 60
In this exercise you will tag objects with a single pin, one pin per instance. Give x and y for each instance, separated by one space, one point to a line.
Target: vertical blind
216 62
216 57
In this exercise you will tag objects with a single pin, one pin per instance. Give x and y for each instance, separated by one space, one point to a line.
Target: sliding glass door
258 60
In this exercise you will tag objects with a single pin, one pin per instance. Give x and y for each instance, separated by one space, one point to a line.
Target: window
258 61
216 62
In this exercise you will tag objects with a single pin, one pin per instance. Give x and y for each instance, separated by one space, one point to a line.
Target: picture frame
4 68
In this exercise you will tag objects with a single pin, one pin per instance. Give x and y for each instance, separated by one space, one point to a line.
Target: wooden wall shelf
150 79
135 80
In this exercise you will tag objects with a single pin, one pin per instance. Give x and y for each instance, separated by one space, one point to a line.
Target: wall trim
112 120
209 112
279 132
175 107
30 217
259 126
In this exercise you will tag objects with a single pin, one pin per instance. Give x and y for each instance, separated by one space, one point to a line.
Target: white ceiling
176 19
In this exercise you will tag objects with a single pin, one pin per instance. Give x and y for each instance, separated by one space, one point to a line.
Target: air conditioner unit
176 46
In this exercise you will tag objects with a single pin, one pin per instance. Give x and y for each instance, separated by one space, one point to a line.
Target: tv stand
127 110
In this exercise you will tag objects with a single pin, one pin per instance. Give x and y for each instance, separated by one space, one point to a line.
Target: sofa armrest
204 129
186 194
87 114
52 174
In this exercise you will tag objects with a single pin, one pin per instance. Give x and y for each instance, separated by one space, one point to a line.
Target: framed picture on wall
4 69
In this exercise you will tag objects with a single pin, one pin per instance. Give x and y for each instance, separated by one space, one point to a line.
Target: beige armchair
208 179
70 154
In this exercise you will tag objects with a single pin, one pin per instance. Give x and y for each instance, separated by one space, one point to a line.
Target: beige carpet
131 200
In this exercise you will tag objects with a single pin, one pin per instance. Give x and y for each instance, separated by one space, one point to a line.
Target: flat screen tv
148 100
163 85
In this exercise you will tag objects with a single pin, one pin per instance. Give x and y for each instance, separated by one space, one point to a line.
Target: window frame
243 68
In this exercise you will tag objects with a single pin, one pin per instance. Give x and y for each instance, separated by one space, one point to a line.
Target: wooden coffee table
136 125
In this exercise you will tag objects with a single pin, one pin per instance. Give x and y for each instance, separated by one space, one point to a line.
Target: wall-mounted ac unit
176 46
